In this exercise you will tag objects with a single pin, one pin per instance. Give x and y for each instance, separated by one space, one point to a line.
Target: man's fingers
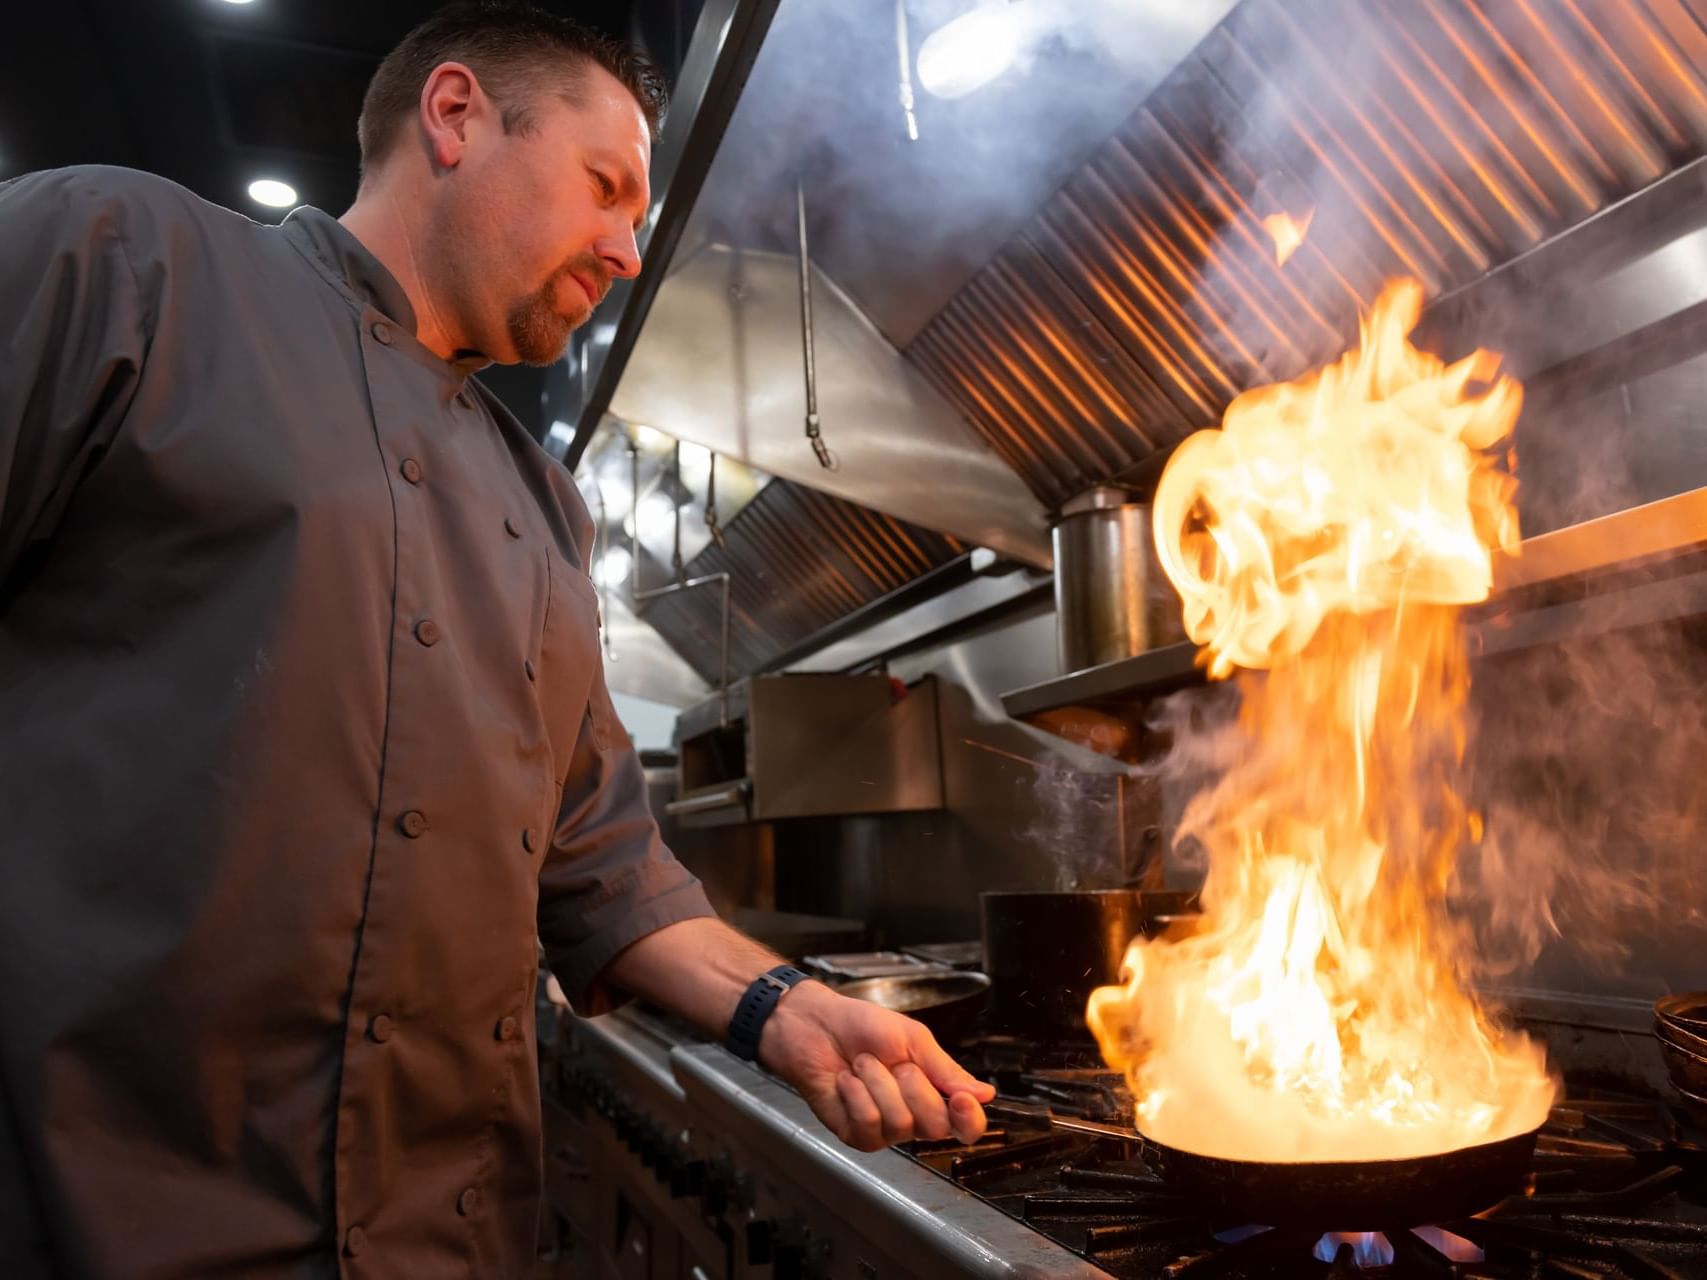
826 1103
865 1121
966 1118
943 1071
880 1083
930 1112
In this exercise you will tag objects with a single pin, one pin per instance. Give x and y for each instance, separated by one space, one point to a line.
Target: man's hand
871 1075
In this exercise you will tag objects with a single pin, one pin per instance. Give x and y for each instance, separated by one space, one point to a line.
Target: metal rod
904 51
807 346
676 552
640 597
711 500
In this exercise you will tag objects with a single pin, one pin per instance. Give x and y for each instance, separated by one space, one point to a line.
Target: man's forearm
699 968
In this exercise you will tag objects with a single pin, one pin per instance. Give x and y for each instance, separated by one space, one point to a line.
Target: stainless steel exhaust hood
1119 284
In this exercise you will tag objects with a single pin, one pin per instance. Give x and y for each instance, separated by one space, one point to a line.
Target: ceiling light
651 440
272 193
971 51
612 567
657 517
237 1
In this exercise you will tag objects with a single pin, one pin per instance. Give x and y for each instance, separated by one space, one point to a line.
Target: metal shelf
1628 569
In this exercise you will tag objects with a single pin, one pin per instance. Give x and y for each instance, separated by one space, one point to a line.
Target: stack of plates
1680 1023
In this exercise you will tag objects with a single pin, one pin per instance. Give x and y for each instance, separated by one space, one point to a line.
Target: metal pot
946 1001
1111 599
1046 951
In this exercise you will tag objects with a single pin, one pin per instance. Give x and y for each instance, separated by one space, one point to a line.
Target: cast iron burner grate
1617 1191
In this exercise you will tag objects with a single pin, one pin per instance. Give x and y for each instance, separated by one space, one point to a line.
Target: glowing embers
1287 233
1326 536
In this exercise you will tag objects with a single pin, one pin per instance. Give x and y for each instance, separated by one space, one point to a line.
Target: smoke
901 224
1586 759
1077 823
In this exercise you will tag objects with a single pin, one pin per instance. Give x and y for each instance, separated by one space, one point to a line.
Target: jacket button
411 470
506 1028
412 823
529 839
380 1028
427 632
466 1202
381 332
511 528
355 1240
527 666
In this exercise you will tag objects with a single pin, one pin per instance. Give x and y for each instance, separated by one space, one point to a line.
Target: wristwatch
756 1005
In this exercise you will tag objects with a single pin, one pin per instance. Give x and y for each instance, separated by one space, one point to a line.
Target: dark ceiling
214 95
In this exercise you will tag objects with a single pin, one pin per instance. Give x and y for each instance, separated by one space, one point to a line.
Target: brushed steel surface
932 1227
799 561
719 363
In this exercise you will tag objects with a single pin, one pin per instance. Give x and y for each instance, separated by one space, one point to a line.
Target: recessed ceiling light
237 1
272 193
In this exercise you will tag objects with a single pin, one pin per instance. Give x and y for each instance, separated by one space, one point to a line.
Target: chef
305 747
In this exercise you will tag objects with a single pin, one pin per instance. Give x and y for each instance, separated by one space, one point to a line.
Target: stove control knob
715 1198
688 1179
761 1240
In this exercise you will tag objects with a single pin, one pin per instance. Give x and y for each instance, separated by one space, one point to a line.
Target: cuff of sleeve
662 895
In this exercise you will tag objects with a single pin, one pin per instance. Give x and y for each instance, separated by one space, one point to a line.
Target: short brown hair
514 49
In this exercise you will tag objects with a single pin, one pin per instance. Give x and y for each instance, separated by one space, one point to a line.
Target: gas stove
671 1157
1617 1188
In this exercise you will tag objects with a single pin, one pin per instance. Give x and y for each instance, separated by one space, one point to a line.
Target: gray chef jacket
303 740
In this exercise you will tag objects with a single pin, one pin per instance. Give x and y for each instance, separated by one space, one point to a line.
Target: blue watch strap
756 1005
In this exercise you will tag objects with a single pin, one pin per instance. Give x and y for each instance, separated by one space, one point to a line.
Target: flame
1326 537
1287 233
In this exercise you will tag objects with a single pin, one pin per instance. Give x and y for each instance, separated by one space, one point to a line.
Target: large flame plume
1325 539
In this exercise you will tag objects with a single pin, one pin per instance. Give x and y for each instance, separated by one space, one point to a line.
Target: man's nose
621 254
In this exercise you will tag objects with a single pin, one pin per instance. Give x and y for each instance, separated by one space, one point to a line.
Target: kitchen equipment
1682 1018
1046 951
1348 1194
1687 1070
1111 599
951 955
808 745
946 1000
1694 1103
850 966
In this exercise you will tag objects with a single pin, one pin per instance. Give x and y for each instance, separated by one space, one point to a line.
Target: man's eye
606 186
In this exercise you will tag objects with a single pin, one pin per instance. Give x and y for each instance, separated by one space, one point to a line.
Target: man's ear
448 97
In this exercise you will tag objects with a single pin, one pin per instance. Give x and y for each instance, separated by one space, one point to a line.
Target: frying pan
1349 1195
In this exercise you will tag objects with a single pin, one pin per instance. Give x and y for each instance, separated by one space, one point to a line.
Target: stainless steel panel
719 364
926 1224
639 661
841 745
798 562
917 625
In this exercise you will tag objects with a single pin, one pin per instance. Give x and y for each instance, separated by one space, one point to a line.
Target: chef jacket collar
349 262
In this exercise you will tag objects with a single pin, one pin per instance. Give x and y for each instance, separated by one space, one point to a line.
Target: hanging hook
826 459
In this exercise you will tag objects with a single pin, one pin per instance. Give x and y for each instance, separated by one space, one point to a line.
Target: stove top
1617 1189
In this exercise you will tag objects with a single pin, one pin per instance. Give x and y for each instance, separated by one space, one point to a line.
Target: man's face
538 224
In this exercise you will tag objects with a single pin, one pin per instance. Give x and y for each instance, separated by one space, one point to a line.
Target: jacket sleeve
608 879
72 343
